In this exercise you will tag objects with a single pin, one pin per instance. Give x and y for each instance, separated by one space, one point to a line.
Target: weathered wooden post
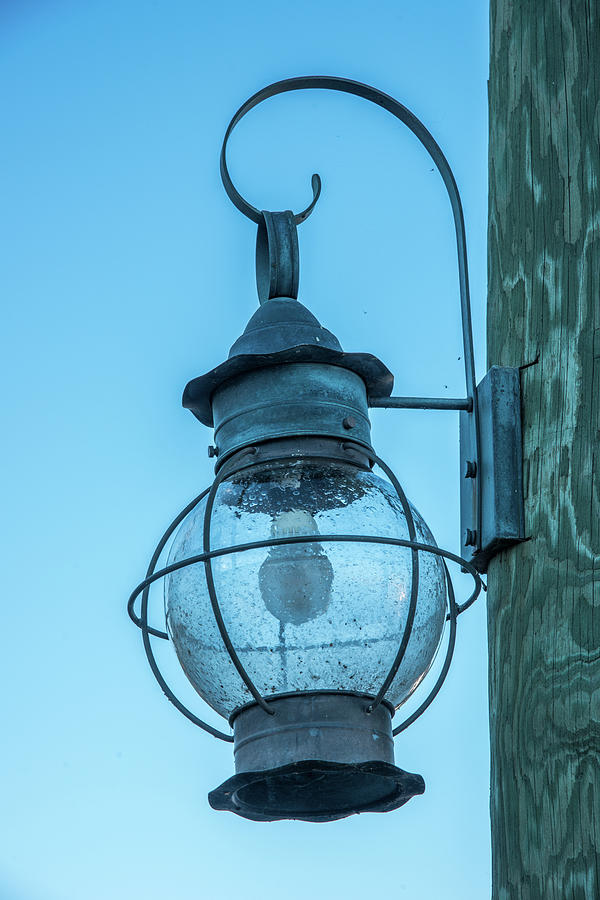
544 308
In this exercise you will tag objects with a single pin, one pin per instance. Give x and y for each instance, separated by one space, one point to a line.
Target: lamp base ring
316 791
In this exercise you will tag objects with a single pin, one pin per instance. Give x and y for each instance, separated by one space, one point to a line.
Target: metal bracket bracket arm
397 109
277 269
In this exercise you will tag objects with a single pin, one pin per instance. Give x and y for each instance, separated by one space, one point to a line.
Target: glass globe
304 617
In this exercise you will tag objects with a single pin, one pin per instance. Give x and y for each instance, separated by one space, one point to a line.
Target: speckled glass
307 616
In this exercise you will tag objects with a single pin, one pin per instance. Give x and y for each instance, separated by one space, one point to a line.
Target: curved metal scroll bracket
280 272
234 195
397 109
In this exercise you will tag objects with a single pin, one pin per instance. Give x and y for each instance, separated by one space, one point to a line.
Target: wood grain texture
544 596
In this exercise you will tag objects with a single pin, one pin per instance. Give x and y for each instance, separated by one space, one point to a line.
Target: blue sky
127 272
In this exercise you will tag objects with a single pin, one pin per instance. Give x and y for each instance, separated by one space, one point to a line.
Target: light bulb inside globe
295 579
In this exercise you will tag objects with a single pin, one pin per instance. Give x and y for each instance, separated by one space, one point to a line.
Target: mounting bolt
471 470
470 538
212 451
349 423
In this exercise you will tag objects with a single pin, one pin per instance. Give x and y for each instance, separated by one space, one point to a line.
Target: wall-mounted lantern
305 596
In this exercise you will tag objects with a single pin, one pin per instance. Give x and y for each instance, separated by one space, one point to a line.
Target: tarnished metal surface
322 756
316 791
277 257
293 399
335 727
283 331
296 448
492 516
450 403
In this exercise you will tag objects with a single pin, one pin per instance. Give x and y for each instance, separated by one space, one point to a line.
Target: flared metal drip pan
316 791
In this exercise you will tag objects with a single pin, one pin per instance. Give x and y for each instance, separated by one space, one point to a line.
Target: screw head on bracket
349 423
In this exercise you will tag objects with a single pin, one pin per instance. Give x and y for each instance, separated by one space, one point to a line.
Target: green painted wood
544 300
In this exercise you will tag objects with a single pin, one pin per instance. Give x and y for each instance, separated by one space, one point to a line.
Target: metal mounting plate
491 492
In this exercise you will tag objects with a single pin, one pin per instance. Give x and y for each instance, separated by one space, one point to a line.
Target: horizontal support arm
421 403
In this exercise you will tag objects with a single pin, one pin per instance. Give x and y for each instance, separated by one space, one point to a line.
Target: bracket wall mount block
491 492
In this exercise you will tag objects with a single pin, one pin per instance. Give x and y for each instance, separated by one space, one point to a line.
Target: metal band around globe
147 631
307 539
414 584
453 614
210 500
297 539
152 565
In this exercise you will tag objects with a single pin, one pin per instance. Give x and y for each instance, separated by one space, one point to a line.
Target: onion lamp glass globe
308 616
